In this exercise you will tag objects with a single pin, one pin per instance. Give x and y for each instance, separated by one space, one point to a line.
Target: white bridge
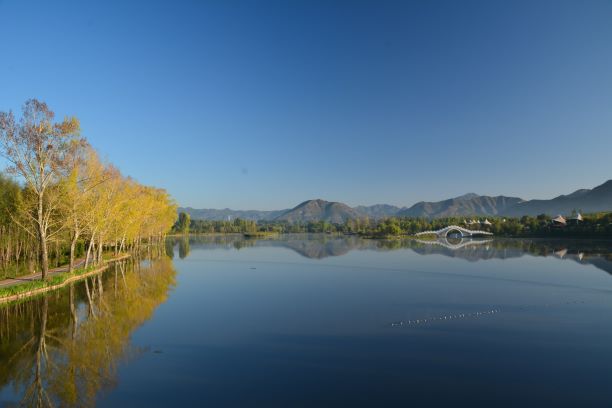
464 232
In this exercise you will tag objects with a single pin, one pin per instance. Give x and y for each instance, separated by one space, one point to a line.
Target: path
36 276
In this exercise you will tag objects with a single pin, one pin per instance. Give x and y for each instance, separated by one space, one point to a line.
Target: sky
265 104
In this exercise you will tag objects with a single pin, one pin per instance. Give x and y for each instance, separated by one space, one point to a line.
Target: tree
184 220
39 151
77 188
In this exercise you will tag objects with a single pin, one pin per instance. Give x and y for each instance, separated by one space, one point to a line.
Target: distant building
559 221
486 222
575 218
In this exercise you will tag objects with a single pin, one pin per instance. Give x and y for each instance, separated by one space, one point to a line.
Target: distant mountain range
378 210
465 205
585 200
594 200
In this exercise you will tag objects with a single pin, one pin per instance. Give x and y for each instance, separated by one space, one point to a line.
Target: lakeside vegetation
59 201
56 280
598 225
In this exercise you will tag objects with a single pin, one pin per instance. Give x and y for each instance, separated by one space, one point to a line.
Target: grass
14 270
53 280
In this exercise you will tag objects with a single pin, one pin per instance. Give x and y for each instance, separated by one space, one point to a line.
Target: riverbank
30 286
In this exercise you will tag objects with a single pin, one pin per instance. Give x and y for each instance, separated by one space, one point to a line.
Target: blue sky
262 105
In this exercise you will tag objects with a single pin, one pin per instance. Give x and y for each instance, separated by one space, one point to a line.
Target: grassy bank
55 281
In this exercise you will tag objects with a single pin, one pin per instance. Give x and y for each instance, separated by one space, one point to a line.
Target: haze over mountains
585 200
225 214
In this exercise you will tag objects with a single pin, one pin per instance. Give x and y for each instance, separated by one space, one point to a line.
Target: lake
322 320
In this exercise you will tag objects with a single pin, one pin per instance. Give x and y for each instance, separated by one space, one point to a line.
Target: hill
378 211
585 200
466 205
319 210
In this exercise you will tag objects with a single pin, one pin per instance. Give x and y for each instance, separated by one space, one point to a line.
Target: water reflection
63 349
405 310
183 246
318 246
455 243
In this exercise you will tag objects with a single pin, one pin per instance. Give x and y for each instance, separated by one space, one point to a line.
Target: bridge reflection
461 231
455 243
320 246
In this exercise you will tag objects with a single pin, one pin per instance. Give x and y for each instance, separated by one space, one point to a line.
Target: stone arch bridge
464 232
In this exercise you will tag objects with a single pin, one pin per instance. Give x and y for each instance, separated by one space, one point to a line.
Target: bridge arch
450 230
463 232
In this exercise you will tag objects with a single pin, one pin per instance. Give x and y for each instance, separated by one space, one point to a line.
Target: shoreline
576 237
51 287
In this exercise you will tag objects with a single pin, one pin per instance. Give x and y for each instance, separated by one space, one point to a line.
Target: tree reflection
183 247
63 349
319 246
169 246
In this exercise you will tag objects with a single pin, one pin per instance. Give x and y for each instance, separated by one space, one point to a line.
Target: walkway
36 276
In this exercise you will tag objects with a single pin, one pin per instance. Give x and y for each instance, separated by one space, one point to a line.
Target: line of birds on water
466 315
443 318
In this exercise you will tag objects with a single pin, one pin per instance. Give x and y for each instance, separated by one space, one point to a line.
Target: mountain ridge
596 199
319 210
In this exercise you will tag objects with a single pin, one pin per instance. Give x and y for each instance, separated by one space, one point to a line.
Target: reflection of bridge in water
463 232
451 244
320 246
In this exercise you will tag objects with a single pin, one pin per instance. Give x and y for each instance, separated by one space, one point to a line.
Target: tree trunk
44 257
122 244
42 240
100 248
73 243
91 242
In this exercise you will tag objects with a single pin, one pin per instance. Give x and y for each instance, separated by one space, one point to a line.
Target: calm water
323 321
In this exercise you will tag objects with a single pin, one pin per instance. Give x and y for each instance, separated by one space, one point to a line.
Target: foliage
182 225
593 225
65 202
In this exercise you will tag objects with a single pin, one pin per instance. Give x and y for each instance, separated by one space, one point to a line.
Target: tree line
593 225
59 200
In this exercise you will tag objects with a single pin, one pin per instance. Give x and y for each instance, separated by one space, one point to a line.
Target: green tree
183 223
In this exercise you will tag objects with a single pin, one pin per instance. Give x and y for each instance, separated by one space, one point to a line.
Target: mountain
585 200
466 205
378 211
319 210
227 214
